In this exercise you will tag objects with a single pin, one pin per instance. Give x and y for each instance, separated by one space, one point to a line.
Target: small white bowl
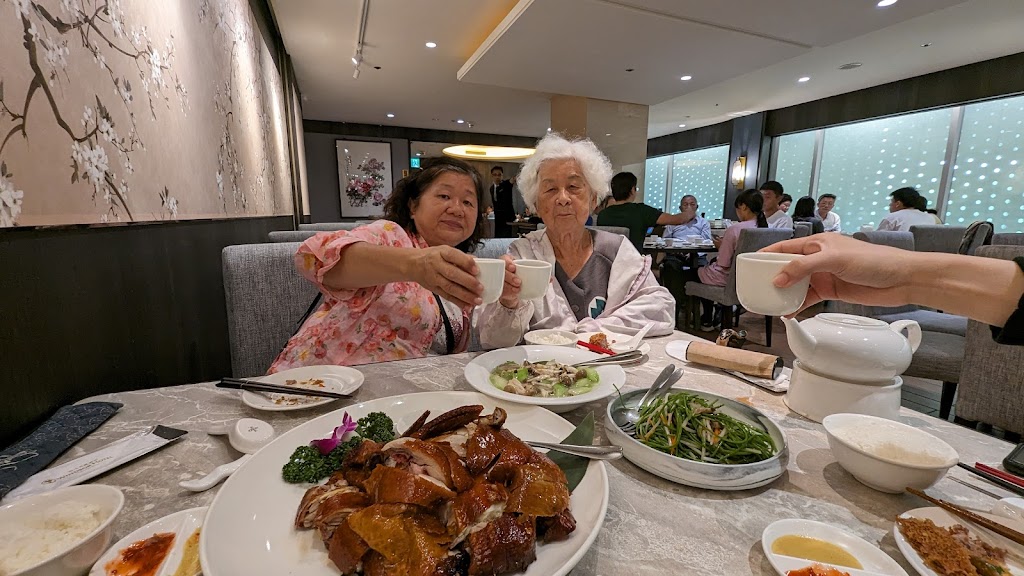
536 337
888 473
77 559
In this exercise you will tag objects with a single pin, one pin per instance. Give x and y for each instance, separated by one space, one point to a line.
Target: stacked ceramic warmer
849 364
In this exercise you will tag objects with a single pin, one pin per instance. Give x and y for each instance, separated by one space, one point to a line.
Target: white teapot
853 348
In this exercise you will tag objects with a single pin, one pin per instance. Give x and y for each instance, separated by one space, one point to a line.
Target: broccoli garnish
308 465
376 426
305 465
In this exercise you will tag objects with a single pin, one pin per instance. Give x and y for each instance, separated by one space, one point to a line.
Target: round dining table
652 526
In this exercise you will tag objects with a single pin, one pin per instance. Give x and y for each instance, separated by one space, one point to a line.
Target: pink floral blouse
393 321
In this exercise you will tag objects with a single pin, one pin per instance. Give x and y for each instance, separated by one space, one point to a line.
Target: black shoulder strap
309 312
448 332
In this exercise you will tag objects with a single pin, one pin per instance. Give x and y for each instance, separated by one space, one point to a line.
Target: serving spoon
592 452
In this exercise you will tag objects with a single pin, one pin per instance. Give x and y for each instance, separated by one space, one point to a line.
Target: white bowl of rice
551 337
886 455
58 533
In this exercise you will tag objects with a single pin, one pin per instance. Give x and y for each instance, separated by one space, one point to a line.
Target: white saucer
944 519
340 379
874 561
183 524
644 347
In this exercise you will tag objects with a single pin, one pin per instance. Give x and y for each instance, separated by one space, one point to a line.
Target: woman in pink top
748 209
400 287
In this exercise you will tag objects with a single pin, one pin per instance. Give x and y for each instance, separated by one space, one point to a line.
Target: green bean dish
691 427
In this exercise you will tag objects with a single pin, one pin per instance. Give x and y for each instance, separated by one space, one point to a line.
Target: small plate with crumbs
340 379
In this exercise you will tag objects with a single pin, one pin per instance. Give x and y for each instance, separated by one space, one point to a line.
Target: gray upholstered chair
291 235
265 299
331 226
1008 239
750 240
802 229
493 247
940 355
613 229
938 238
991 388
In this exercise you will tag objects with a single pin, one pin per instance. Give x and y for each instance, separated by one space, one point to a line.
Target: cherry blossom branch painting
102 136
364 171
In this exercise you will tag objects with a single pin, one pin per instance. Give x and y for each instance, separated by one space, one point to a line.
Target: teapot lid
851 321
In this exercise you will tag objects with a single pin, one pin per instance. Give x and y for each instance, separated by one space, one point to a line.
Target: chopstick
1011 478
1008 533
975 487
595 348
254 386
993 479
624 358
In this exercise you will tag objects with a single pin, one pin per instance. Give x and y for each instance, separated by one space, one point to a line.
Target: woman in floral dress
397 288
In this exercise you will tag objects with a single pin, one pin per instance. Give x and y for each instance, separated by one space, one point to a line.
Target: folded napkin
69 425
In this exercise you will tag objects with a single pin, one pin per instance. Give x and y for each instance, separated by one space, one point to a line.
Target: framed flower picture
364 173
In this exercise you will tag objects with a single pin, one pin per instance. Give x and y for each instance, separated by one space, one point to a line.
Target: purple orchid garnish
325 445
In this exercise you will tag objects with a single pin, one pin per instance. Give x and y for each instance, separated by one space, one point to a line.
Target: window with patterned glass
655 181
701 173
794 159
863 163
988 173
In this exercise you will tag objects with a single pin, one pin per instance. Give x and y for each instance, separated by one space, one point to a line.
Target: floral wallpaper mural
135 110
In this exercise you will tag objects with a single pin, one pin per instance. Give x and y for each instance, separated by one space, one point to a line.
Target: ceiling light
431 45
686 78
419 153
850 66
884 3
803 79
460 121
926 44
390 115
472 152
357 59
682 125
741 113
608 134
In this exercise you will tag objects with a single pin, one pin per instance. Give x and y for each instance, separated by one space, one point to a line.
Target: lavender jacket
634 299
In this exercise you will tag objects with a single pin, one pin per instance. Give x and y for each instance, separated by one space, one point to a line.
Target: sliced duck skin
421 457
507 544
556 528
471 510
449 421
388 485
346 549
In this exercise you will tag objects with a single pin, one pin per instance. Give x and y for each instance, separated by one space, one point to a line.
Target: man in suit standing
501 200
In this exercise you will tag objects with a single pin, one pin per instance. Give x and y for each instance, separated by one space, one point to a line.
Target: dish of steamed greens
544 379
691 427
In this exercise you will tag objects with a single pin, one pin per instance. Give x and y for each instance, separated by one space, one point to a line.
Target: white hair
597 169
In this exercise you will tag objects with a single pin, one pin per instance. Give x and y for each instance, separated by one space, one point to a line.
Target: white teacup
535 276
492 276
755 272
670 242
695 239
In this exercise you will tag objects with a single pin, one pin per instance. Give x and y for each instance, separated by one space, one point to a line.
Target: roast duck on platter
458 495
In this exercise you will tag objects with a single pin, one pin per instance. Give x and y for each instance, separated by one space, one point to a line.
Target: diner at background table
653 526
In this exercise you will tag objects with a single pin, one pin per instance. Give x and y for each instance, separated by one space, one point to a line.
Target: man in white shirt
829 219
772 193
905 209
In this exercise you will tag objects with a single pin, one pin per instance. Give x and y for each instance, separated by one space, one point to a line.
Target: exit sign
414 162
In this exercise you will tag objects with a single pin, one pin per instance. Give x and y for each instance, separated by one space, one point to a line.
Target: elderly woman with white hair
599 277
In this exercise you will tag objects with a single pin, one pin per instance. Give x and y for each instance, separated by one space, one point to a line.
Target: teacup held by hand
755 273
492 276
535 276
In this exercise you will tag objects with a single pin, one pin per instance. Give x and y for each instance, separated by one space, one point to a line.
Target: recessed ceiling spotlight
431 45
460 121
884 3
803 79
629 69
682 125
419 153
608 134
926 44
686 78
850 66
390 115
